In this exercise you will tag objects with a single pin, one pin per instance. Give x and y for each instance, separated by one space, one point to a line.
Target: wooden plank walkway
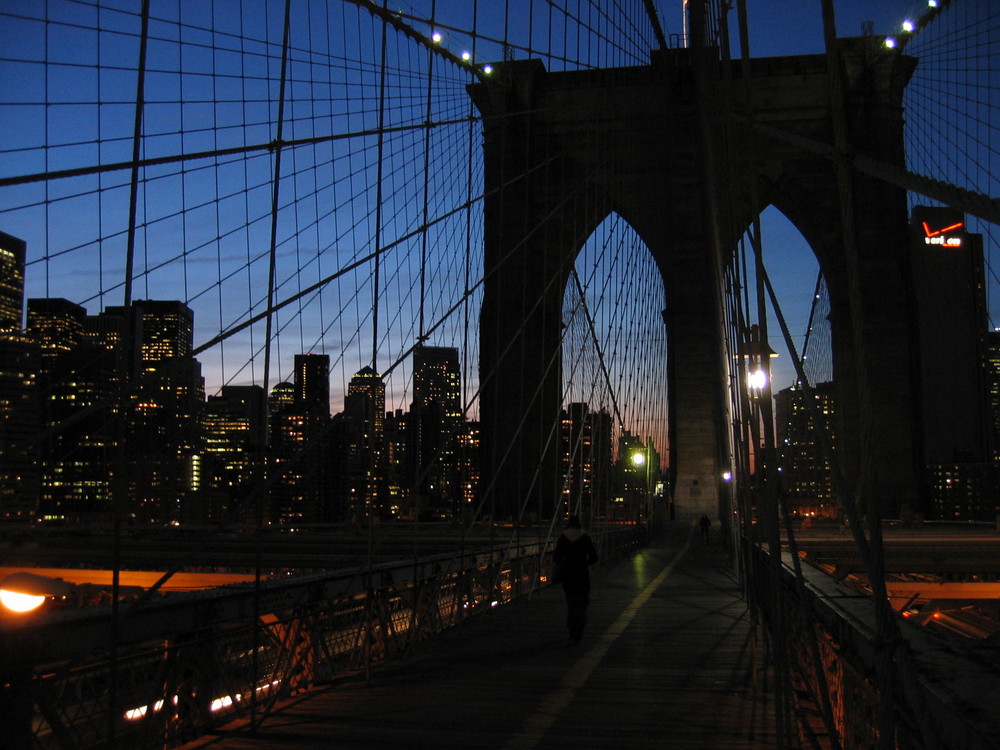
667 661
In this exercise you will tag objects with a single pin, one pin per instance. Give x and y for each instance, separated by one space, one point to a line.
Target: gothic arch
562 150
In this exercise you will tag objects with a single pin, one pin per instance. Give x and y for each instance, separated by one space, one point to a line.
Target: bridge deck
668 660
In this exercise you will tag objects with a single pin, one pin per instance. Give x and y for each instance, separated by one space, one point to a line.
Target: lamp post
758 355
640 460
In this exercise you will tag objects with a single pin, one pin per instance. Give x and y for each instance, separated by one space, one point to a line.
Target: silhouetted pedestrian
705 525
574 554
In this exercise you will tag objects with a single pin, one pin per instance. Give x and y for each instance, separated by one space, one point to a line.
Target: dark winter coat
574 554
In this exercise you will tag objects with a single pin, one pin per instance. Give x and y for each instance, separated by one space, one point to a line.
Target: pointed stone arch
562 150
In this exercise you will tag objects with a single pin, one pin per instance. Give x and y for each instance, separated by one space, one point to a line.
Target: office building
801 426
20 406
951 324
232 437
12 255
435 420
312 383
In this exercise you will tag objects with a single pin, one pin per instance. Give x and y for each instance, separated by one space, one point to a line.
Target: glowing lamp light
25 592
931 3
908 25
727 476
890 42
757 380
466 56
15 601
436 37
487 69
638 459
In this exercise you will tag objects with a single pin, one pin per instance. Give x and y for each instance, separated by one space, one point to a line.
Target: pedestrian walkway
667 661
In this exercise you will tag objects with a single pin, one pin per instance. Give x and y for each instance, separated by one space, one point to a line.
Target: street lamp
640 460
26 592
757 353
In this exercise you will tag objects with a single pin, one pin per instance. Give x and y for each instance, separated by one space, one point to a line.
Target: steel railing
942 695
168 670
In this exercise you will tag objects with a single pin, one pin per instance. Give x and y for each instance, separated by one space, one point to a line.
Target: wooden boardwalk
667 661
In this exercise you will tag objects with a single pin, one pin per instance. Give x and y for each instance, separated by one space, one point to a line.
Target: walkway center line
539 723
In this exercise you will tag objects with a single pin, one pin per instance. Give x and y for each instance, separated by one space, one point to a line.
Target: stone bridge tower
668 150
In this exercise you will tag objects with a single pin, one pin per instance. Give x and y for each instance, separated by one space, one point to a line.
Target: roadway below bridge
953 552
277 551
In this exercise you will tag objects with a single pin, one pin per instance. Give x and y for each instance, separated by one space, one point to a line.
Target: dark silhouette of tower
20 408
806 477
951 321
312 383
165 394
12 252
435 420
361 448
75 379
299 443
586 460
232 437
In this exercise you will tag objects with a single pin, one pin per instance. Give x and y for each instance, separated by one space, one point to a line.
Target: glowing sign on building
944 235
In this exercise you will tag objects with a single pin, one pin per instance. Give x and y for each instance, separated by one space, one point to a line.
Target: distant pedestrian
705 525
574 554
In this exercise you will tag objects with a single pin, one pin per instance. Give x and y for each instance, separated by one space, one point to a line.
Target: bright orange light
935 232
15 601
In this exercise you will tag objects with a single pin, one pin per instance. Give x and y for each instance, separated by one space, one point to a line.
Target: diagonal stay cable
597 345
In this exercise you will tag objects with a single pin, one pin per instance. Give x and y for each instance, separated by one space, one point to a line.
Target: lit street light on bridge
25 592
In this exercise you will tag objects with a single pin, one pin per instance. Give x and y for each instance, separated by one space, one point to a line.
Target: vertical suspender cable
380 156
124 371
426 187
380 166
271 273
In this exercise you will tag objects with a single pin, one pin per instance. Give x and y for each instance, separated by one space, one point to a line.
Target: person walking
706 526
573 556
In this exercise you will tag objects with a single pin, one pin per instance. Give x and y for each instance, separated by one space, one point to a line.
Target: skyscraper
435 420
437 380
805 472
951 322
232 436
12 252
76 378
992 370
312 383
56 325
361 448
586 459
165 398
20 408
299 443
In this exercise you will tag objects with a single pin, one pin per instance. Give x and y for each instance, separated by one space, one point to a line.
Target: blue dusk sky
204 226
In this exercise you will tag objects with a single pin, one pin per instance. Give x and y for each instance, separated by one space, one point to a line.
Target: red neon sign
936 236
